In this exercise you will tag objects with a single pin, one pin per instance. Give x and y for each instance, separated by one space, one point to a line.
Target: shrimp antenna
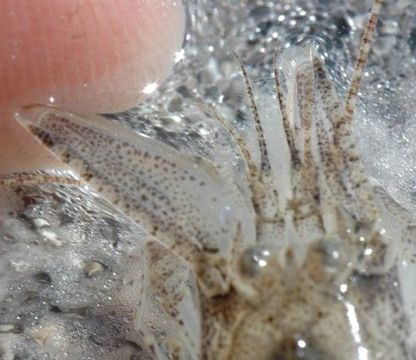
265 163
364 50
285 117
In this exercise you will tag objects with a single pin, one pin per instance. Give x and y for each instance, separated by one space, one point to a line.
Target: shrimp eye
326 259
254 259
333 254
296 348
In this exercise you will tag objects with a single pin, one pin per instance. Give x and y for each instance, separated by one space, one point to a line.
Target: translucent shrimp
302 269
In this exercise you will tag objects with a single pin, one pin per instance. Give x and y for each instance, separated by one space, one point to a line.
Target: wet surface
74 268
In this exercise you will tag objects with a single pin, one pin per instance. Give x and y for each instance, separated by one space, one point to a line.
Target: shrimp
295 269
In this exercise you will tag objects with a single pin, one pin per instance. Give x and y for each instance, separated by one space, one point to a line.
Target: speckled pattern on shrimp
298 261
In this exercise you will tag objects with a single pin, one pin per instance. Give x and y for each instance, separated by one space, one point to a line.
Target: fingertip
86 56
20 151
83 56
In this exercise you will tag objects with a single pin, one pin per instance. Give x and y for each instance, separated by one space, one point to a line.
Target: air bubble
50 238
6 328
19 266
92 268
40 223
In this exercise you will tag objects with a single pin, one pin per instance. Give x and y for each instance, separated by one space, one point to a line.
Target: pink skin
84 56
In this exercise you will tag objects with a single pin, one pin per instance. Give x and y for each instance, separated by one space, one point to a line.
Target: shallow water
69 284
79 281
